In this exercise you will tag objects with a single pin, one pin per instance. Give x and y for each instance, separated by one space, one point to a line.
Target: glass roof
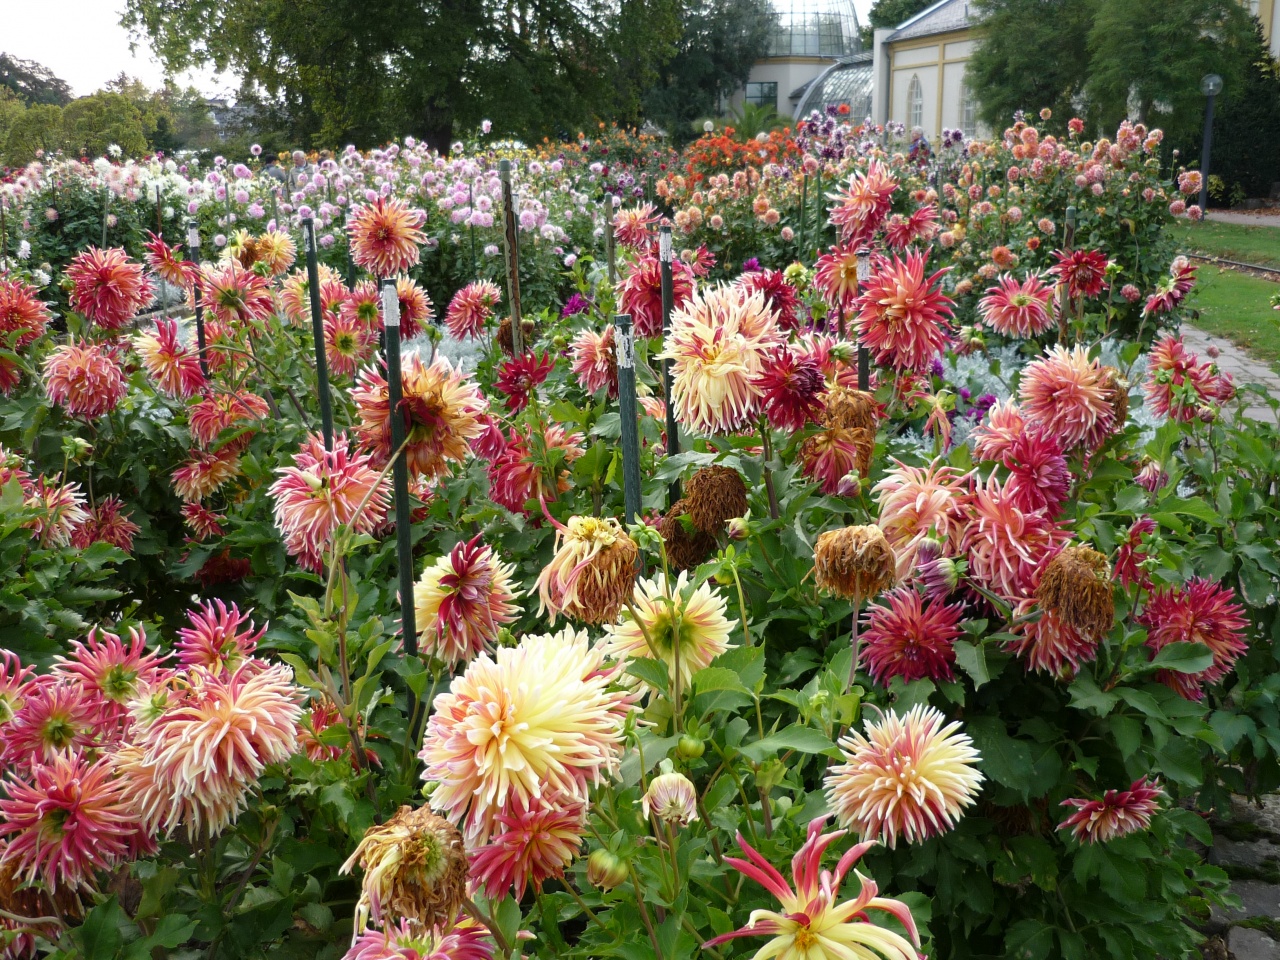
847 83
814 28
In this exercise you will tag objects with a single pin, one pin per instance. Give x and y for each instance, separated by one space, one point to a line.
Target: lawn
1237 306
1231 241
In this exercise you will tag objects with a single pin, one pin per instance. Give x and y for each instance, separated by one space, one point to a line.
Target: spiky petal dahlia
909 777
718 347
1068 395
235 295
831 455
53 717
276 251
84 379
592 573
416 310
220 638
1118 813
322 491
1005 546
348 342
686 626
1083 271
835 276
168 361
223 411
911 639
631 225
790 385
595 361
1201 611
385 236
295 295
441 408
530 846
1018 309
1048 644
1178 383
516 477
1131 557
903 318
70 819
919 502
167 262
109 670
1003 424
107 287
530 721
415 868
781 296
862 206
520 376
23 318
464 940
107 523
472 308
1039 478
60 509
204 473
640 293
462 600
811 925
919 225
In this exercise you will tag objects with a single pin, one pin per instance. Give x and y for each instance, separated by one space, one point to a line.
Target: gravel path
1242 367
1248 219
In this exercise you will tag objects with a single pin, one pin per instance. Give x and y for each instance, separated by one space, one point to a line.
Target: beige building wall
788 73
938 63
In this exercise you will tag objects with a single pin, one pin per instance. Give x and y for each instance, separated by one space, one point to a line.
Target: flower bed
993 626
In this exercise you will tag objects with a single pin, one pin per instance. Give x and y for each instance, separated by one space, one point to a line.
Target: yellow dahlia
910 777
686 626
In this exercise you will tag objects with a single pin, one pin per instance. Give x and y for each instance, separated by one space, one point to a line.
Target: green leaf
718 678
1086 695
972 658
1029 940
1180 761
1004 759
795 737
746 662
1183 657
99 936
652 672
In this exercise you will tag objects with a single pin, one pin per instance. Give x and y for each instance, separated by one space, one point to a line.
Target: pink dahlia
385 236
919 503
441 409
1002 425
1118 813
903 318
321 492
107 523
84 379
60 511
518 475
861 207
107 287
23 318
202 522
1018 309
811 924
640 293
173 365
234 295
67 821
1049 645
830 456
1178 384
1083 271
790 386
1005 545
204 474
1131 557
919 226
220 638
471 309
110 670
1038 475
780 296
406 940
55 717
416 311
595 364
1069 396
168 264
226 411
1200 611
911 639
835 276
530 721
520 376
462 600
348 342
362 306
1173 289
631 225
529 846
14 678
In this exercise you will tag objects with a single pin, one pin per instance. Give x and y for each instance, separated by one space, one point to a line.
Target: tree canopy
32 82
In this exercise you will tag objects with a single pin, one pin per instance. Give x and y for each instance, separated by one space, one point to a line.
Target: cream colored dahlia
917 501
461 601
592 573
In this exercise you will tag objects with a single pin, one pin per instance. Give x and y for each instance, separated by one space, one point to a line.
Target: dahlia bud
671 798
740 527
850 485
844 351
75 449
1212 351
690 748
606 870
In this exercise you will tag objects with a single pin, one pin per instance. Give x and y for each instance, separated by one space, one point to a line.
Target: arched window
968 113
915 102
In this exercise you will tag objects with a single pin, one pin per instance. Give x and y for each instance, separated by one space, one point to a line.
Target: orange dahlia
84 379
1069 395
204 473
107 287
385 236
903 319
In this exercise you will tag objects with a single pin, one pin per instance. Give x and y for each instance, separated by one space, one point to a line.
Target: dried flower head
855 563
849 409
716 495
1076 586
592 573
685 544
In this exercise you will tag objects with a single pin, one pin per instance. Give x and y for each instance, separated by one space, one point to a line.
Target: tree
366 70
1148 66
1031 54
890 13
32 82
720 41
11 108
38 128
91 124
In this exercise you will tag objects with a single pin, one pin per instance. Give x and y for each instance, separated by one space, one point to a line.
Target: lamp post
1210 86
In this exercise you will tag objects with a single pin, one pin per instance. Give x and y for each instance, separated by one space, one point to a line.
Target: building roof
943 17
847 81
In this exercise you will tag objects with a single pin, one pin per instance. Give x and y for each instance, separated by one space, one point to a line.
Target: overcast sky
83 43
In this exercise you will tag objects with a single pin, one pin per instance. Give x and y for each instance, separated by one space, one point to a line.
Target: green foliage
36 129
91 124
32 83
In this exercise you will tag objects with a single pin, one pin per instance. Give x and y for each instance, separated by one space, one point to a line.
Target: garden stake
351 269
668 304
317 331
626 348
4 237
864 358
610 252
471 227
159 218
193 248
804 203
400 470
1068 238
106 206
512 238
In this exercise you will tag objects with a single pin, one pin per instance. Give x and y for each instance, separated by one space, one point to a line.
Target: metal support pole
665 258
159 214
1068 240
106 205
512 236
626 347
610 248
317 330
193 250
400 469
864 356
471 229
1205 152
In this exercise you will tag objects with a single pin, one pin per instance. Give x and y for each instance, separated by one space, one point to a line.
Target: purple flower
575 305
936 369
751 266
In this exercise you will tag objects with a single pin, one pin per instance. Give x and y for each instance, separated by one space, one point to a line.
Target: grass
1231 241
1237 306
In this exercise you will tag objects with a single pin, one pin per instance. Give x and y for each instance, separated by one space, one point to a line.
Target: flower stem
766 455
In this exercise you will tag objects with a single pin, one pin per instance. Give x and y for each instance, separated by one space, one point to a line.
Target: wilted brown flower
1116 389
716 495
1076 586
504 339
856 563
850 409
685 548
593 572
415 867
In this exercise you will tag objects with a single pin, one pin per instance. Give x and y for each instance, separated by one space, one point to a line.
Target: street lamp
1210 86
